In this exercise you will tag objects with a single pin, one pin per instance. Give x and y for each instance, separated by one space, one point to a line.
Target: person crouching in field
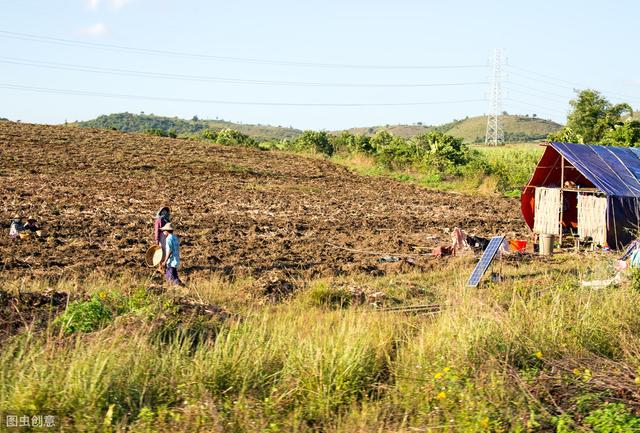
162 218
31 225
171 255
16 227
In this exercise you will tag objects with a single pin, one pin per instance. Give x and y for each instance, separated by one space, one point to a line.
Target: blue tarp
616 172
613 170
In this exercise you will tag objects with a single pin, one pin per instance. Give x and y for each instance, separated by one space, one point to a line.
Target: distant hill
516 128
405 131
472 129
129 122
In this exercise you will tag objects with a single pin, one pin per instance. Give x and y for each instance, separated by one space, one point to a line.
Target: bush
433 151
396 153
209 134
350 143
317 141
155 132
444 149
84 316
229 137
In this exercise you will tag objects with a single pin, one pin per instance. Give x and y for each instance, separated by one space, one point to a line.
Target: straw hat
168 227
17 217
30 218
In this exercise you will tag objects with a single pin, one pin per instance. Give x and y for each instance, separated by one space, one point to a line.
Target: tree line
595 120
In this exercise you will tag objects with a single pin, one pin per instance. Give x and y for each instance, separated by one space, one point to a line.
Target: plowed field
238 211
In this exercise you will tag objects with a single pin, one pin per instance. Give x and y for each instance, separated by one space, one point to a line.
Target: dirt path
238 211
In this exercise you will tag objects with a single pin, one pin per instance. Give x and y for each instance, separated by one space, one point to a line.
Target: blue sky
550 48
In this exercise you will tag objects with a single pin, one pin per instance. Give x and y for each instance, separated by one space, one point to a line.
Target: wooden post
561 198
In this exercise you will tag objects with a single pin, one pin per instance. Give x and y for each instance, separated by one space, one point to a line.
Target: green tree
349 142
231 137
381 139
443 148
315 140
592 118
210 134
396 152
156 132
627 134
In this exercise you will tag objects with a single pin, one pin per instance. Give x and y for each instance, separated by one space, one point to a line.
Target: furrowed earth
238 211
312 300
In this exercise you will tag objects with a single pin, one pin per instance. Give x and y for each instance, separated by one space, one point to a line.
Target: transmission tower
495 133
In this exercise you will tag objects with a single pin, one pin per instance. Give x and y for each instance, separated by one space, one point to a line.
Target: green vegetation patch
84 316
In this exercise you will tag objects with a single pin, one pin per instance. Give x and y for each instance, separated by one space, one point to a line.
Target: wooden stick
561 199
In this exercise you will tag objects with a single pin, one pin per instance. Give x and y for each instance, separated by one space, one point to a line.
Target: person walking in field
162 218
171 255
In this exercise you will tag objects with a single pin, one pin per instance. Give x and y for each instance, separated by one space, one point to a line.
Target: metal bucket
546 245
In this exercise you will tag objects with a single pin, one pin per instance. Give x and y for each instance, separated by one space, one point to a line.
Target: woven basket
154 256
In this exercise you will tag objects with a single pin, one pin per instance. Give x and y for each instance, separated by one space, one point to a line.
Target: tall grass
306 365
512 165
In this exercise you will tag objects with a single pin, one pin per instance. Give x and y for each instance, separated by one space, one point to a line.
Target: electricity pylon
495 133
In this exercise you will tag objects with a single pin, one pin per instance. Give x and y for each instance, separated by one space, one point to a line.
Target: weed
321 295
485 362
84 316
613 418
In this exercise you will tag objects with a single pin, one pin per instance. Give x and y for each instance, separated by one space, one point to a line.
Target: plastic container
517 245
546 245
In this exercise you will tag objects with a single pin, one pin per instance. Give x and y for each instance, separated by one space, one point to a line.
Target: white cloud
118 4
97 29
93 4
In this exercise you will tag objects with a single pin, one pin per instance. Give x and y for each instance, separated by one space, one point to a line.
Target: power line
225 102
553 99
168 53
545 76
574 86
535 89
538 80
201 78
534 105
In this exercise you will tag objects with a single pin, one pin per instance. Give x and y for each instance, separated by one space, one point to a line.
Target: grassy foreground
535 352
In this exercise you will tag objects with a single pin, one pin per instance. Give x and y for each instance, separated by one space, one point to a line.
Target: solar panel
485 261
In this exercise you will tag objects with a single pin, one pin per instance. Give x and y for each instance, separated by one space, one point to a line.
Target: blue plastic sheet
613 170
616 172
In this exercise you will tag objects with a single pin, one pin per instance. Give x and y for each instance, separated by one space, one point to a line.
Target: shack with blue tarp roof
591 192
